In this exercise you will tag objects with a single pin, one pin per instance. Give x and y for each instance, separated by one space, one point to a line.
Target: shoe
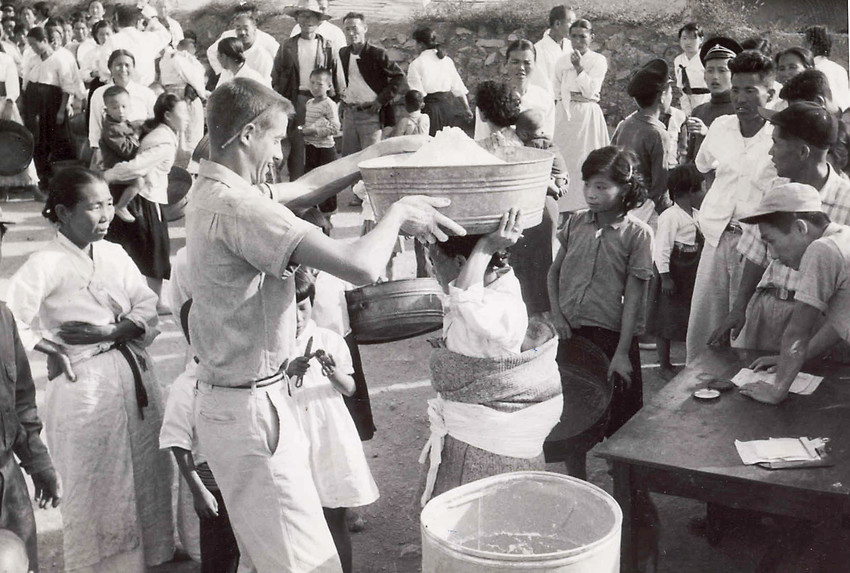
355 522
123 214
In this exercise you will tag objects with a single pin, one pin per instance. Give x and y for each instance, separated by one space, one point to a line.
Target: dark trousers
625 402
358 404
219 552
42 103
16 513
316 157
531 258
296 159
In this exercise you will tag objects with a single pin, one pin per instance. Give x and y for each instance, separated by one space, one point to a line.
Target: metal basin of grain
480 194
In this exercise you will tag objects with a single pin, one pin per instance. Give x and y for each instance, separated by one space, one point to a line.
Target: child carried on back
529 128
119 141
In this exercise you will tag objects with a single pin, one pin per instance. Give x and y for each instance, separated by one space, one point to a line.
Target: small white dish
706 394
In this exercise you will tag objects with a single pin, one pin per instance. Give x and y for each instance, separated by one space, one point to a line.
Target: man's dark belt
306 93
436 97
695 91
782 294
135 367
683 248
266 381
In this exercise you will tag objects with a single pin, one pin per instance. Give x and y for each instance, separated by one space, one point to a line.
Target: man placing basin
242 248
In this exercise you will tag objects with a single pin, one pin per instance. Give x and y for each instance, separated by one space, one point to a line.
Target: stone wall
479 54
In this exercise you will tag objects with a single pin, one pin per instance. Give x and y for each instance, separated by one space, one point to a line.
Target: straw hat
306 6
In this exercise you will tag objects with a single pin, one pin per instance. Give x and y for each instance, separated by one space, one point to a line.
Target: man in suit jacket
372 81
292 82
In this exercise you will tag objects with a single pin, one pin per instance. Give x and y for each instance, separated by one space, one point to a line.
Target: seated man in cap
735 153
791 221
643 133
715 56
802 136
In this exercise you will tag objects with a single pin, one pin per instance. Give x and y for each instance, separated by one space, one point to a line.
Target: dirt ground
398 381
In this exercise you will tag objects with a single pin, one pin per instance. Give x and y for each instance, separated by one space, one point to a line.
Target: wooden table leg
624 494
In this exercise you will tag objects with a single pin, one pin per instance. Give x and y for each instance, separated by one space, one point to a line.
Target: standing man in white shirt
820 43
163 16
735 158
554 44
330 32
145 46
242 250
371 81
260 47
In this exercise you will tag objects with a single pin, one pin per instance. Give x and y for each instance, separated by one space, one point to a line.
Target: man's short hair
692 27
239 102
127 15
354 16
114 91
819 39
808 85
753 62
248 10
558 13
43 9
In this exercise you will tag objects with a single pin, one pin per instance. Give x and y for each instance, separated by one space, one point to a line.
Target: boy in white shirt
676 253
690 74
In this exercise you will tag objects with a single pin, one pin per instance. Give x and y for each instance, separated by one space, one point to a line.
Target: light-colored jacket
152 163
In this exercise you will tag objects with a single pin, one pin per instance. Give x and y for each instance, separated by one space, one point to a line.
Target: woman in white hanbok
579 123
83 302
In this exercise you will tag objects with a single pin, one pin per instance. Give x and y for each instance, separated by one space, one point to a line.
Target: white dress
116 506
337 462
579 123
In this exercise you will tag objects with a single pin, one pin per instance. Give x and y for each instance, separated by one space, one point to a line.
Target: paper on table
804 384
778 449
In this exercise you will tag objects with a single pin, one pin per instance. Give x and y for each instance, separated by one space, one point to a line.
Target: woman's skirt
578 135
145 239
669 313
440 107
42 103
627 400
8 110
463 463
116 480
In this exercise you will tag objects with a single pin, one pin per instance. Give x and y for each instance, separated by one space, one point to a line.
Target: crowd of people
720 220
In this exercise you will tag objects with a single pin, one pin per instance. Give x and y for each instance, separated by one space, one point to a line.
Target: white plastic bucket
522 521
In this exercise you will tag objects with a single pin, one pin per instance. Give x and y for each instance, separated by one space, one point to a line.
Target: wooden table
678 445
